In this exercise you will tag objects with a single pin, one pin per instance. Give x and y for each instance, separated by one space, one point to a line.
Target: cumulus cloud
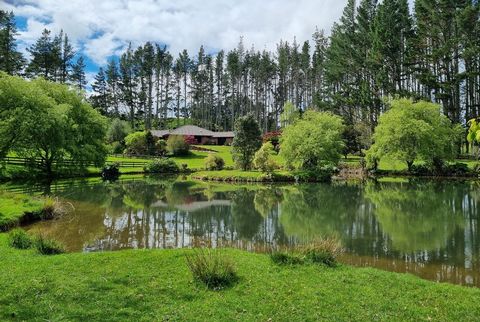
103 28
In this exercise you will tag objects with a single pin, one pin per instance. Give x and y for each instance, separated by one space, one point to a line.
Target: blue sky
101 29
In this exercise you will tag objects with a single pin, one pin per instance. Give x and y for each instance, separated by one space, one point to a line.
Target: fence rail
68 163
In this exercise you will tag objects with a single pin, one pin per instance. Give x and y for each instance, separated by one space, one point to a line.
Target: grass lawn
13 207
238 175
155 285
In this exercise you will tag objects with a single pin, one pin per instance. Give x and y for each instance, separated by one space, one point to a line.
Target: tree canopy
313 141
411 131
49 122
248 139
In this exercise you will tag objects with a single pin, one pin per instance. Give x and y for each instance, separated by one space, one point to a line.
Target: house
201 135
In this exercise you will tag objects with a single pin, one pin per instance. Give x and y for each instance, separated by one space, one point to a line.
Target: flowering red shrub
273 137
190 139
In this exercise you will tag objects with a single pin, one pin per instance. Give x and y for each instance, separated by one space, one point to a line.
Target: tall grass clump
54 208
47 246
20 239
323 251
212 268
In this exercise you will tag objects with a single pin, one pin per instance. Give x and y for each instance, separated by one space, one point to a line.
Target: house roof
160 133
227 134
192 130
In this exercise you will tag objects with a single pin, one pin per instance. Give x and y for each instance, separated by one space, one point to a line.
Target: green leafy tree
248 139
136 143
473 136
49 122
413 131
290 114
263 159
313 142
118 130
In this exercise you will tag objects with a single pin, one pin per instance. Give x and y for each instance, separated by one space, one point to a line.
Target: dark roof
227 134
192 130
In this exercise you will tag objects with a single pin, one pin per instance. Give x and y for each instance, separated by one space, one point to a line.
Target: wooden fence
68 163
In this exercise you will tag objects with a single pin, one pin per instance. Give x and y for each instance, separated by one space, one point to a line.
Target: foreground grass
156 285
14 206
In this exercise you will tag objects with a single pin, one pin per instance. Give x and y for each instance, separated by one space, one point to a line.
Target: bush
20 239
117 148
457 169
118 130
190 140
322 174
136 143
162 166
212 268
177 146
161 147
263 160
213 162
47 246
273 138
111 171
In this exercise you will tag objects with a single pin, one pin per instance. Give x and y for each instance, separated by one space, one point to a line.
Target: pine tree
44 58
112 79
77 76
100 99
11 61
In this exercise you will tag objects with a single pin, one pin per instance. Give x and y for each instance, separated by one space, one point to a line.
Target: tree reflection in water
425 227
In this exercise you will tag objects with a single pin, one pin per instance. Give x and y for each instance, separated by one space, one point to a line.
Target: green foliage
289 115
247 141
323 251
118 130
111 171
162 166
214 162
177 146
48 246
473 136
313 142
263 158
212 268
161 147
49 122
413 131
18 238
136 143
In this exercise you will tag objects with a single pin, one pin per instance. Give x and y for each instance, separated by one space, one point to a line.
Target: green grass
156 285
238 175
14 206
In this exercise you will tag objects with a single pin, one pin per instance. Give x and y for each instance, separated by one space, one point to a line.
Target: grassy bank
156 285
243 176
15 208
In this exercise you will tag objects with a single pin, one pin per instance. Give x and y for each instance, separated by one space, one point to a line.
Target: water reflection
428 228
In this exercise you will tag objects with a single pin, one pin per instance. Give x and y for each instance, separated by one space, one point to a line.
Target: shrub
273 138
136 143
20 239
161 147
190 140
117 147
118 130
111 171
162 166
212 268
47 246
177 146
263 158
213 162
246 142
322 174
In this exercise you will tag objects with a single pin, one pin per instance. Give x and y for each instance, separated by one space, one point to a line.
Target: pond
426 228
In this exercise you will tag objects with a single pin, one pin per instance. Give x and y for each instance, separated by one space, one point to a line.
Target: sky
101 29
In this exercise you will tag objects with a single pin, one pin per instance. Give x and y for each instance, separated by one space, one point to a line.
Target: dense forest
377 50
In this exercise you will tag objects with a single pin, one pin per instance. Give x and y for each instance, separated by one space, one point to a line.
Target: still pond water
426 228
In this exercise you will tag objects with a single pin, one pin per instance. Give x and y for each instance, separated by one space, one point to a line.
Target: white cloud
103 28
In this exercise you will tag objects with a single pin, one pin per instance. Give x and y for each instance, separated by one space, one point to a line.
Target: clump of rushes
212 268
319 251
54 208
47 246
20 239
